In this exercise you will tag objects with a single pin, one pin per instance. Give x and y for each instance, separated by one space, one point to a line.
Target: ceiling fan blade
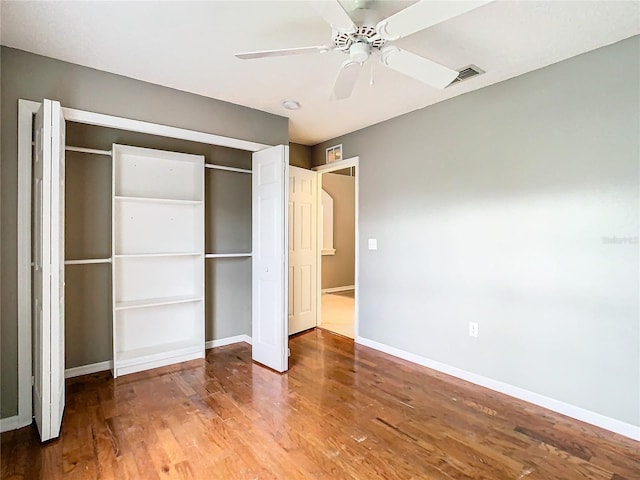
283 52
335 15
346 80
422 69
422 15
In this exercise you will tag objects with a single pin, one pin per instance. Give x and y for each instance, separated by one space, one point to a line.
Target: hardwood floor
341 412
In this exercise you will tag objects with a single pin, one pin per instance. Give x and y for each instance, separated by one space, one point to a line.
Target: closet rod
87 261
88 150
227 255
229 169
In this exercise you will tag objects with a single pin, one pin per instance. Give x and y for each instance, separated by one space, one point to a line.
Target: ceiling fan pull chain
371 82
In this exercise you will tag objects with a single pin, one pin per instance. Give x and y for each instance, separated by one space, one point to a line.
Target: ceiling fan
371 36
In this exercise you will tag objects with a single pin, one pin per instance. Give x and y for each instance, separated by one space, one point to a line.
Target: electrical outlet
473 329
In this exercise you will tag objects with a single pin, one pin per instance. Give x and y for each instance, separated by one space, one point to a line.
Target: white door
269 258
48 270
302 249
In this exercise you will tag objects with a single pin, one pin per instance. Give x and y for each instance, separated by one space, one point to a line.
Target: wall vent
465 73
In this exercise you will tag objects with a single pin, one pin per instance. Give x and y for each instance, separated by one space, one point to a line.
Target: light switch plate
373 244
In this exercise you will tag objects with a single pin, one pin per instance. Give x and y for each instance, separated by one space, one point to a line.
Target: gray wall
34 77
300 155
503 206
227 230
88 303
338 270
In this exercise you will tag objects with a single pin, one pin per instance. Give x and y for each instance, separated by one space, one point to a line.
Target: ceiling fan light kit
359 52
360 41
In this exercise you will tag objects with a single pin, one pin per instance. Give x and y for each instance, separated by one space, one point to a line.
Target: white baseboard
578 413
13 423
108 365
227 341
87 369
346 288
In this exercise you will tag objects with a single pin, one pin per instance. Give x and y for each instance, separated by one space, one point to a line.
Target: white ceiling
190 45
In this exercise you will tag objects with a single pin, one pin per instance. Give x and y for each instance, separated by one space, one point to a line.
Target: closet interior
138 290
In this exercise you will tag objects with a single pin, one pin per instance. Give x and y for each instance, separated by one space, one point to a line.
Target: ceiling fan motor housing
364 33
359 51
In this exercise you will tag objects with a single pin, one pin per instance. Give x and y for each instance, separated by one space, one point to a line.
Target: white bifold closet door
269 257
48 270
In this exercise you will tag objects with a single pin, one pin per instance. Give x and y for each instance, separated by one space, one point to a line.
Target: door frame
328 168
26 111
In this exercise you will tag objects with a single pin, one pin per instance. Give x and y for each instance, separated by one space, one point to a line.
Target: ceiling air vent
465 73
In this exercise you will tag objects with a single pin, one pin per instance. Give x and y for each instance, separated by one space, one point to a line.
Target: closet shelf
155 302
227 255
158 200
142 255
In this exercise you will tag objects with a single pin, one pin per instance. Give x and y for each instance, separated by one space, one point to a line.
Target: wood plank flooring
341 412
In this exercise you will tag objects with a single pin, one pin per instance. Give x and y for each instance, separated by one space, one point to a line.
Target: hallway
338 313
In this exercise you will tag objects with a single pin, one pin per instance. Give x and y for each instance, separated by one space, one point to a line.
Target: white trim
340 165
228 169
221 342
573 411
87 369
13 423
345 288
26 110
121 123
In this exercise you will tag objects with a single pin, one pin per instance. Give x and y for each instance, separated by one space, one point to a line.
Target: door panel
48 270
57 268
41 276
302 249
269 262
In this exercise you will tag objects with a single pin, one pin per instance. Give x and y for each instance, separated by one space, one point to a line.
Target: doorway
337 187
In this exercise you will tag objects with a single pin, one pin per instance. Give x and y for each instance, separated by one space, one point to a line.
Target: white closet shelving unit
158 258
